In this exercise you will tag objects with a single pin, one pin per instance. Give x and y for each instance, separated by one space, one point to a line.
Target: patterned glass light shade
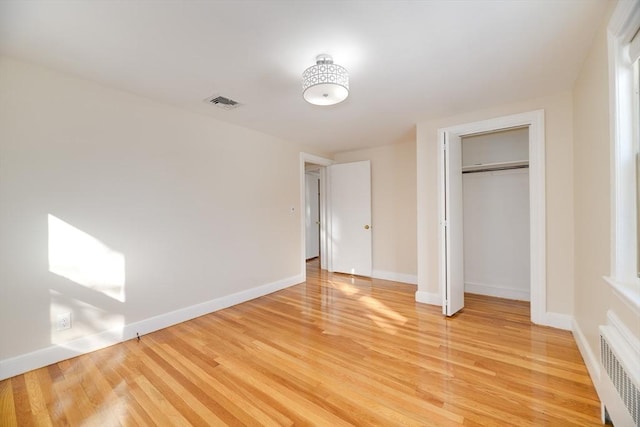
325 83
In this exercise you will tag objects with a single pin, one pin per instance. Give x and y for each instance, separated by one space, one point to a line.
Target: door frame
537 201
325 242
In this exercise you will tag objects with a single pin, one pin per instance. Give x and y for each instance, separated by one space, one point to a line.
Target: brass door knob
366 227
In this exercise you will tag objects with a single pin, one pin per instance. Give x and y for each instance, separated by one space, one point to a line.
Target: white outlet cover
63 321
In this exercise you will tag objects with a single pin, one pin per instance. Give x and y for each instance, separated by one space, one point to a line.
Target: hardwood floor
332 351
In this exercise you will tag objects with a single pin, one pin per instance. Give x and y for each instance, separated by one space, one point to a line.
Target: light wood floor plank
21 401
211 390
335 350
37 400
7 404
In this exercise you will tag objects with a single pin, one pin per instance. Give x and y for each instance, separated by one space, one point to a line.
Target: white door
453 298
312 215
350 205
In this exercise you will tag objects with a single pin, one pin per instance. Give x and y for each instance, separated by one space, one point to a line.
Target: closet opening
451 221
496 214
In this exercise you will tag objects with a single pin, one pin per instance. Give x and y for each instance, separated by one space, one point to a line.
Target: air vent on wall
223 102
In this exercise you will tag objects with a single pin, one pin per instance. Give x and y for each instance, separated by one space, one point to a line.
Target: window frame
623 278
636 137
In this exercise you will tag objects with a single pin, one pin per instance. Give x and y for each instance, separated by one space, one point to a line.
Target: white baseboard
167 319
589 357
56 353
428 298
557 320
412 279
497 291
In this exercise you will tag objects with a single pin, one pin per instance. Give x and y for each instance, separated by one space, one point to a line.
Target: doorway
312 211
451 234
318 165
345 215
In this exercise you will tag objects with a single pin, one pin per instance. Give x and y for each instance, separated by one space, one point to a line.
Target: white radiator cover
620 378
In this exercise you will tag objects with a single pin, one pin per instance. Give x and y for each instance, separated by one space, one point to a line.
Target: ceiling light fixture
325 83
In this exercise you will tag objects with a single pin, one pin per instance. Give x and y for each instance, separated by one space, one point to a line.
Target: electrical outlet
63 321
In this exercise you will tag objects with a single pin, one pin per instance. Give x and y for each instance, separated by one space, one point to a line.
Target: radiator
620 377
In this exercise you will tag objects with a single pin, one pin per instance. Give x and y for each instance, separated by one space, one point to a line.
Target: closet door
453 298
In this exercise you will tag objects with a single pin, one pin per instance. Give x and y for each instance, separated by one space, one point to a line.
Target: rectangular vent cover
627 390
223 102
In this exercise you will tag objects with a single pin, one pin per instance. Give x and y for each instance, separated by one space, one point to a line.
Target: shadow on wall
91 301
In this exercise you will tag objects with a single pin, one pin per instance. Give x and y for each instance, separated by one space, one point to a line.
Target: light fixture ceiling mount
325 83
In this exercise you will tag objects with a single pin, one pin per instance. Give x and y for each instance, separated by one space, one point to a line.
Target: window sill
628 292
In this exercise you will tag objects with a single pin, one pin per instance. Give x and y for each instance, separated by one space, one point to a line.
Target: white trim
537 205
622 26
497 291
611 401
428 298
411 279
325 242
423 203
56 353
625 20
442 247
325 230
629 293
630 340
557 320
591 361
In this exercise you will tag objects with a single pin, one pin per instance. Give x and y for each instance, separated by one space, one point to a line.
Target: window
624 51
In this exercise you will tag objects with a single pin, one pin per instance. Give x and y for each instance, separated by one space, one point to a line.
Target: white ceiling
408 60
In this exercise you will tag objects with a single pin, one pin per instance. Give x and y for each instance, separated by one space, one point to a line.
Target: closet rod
497 168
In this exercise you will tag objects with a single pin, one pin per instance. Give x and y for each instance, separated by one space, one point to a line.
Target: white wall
496 147
496 233
592 198
197 209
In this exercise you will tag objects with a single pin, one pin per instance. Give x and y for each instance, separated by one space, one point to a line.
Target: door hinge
445 223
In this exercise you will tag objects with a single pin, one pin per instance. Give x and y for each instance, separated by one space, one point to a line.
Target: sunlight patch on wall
85 260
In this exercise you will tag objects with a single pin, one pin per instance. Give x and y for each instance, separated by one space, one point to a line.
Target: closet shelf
514 164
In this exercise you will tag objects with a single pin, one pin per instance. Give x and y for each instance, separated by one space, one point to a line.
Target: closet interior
495 181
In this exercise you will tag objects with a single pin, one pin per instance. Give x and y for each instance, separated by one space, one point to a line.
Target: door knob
366 227
317 222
